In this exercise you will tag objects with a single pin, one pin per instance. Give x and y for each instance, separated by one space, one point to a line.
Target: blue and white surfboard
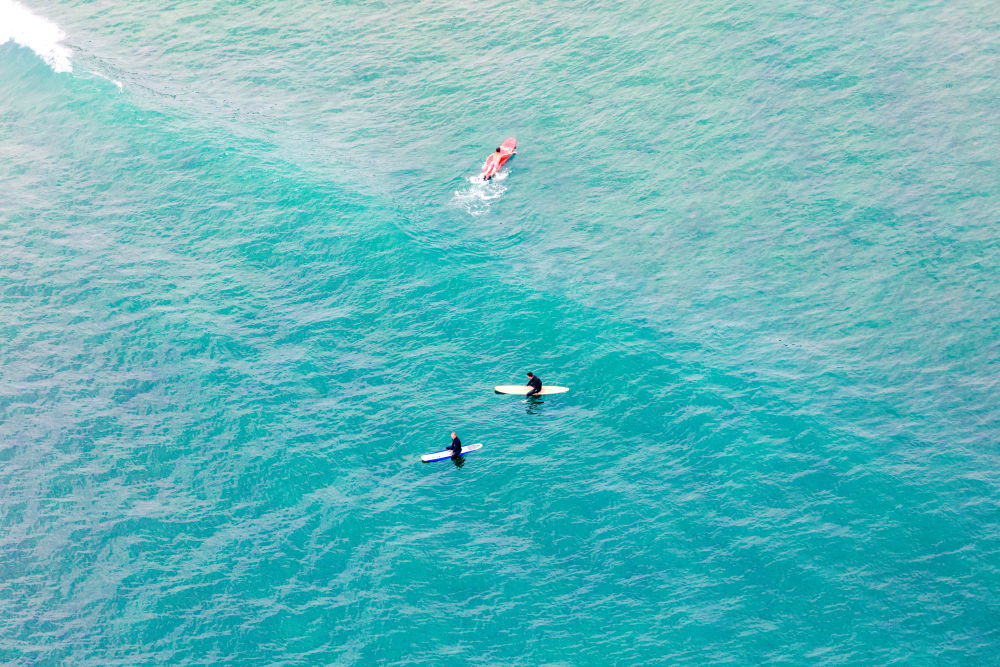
446 454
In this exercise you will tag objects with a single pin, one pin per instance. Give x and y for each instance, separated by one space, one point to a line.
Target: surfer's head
530 374
453 436
498 149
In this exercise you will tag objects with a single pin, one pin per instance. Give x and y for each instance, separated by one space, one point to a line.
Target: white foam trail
480 195
42 36
118 84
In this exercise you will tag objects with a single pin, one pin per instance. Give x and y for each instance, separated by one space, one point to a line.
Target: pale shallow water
247 281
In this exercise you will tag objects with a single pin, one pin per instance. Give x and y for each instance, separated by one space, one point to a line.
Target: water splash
480 195
42 36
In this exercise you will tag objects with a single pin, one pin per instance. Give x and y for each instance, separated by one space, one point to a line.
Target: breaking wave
19 25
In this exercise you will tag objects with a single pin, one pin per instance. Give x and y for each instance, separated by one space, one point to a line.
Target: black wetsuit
536 385
456 448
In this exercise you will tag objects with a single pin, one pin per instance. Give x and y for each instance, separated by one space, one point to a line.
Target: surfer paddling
492 165
498 158
535 383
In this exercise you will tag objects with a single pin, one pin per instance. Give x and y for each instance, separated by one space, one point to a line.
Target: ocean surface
247 277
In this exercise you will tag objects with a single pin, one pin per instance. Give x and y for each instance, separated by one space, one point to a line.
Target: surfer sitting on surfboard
535 383
456 446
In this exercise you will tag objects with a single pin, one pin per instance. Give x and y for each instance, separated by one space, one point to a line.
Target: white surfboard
524 389
446 454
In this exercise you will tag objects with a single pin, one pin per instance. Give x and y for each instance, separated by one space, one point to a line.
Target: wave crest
37 33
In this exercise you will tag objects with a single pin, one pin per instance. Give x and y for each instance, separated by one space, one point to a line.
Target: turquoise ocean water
247 280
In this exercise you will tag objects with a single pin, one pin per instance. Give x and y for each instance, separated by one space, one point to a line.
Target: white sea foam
477 199
42 36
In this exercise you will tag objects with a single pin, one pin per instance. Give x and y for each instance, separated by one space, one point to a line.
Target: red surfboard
497 160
